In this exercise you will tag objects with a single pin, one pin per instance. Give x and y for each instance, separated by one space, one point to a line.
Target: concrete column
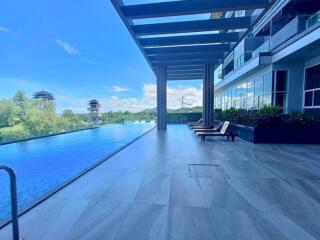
162 97
208 95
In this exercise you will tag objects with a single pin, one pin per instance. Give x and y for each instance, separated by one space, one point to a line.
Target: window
234 97
238 94
308 99
250 95
267 82
312 77
244 96
316 100
312 87
280 96
267 88
258 92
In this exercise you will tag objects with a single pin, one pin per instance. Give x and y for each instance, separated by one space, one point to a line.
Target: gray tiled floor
158 188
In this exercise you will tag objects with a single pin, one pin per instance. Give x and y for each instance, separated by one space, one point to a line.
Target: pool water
45 163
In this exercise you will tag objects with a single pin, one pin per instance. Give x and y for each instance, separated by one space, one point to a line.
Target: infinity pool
45 163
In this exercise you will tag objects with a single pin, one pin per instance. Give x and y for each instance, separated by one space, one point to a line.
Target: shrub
267 116
174 118
13 133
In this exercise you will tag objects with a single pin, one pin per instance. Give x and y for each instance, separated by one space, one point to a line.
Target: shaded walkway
170 185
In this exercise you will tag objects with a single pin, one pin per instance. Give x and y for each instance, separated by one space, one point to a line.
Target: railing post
14 201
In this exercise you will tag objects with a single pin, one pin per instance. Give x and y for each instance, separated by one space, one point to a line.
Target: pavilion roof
185 46
43 95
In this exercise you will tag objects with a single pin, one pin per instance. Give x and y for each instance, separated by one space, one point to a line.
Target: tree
8 114
20 98
68 113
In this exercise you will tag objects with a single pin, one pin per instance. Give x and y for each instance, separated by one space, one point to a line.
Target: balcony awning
185 46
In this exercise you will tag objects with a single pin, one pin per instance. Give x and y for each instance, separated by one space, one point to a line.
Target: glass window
267 99
316 101
244 95
312 77
267 82
258 92
308 99
250 94
281 81
281 89
238 96
234 97
258 86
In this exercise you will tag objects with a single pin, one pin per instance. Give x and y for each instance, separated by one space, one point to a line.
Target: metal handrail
14 201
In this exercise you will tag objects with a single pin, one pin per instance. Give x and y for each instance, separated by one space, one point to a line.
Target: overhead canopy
185 46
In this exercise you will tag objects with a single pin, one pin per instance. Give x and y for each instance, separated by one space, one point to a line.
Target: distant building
43 95
94 108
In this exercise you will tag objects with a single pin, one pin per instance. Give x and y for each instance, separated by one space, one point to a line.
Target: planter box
306 135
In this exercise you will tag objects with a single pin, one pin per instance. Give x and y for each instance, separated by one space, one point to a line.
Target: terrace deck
171 185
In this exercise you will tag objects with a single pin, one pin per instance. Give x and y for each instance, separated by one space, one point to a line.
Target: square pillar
162 97
208 95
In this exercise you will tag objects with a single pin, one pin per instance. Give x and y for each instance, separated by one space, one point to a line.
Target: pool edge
37 202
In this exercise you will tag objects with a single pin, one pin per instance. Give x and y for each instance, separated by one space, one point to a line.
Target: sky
78 50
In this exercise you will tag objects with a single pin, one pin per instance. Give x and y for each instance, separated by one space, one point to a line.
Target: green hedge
268 117
177 118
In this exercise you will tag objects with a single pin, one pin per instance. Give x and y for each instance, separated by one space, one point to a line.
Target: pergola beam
200 77
187 62
185 72
191 39
166 57
175 8
205 49
186 67
193 26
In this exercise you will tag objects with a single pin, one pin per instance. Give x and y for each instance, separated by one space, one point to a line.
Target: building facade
276 63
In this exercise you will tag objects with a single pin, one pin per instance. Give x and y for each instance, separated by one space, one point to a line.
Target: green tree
68 113
20 98
13 133
8 114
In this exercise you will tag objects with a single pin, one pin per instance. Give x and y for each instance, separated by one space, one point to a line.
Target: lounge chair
207 130
200 127
195 123
223 132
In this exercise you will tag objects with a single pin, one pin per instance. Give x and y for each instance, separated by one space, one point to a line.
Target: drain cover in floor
207 171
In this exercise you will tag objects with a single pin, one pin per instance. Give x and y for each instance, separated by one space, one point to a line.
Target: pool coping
48 135
49 194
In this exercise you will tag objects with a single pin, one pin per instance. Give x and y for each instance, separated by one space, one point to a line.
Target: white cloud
68 47
71 50
4 29
117 89
192 98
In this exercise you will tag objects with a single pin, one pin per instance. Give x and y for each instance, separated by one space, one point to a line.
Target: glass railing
314 19
242 59
264 48
287 32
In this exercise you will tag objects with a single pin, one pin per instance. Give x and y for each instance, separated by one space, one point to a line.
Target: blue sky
76 50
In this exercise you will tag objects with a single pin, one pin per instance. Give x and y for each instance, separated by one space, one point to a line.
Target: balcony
264 48
293 28
191 190
313 20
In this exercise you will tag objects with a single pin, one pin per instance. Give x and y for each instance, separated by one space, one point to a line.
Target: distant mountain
150 110
180 110
185 110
